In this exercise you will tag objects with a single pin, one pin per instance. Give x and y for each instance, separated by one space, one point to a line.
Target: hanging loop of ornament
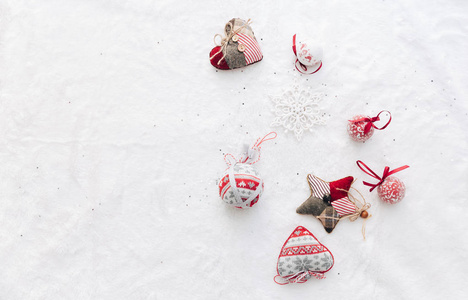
385 174
370 122
253 153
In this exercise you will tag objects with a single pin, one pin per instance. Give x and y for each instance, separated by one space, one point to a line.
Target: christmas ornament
361 128
297 110
330 202
302 257
309 56
389 188
238 48
241 185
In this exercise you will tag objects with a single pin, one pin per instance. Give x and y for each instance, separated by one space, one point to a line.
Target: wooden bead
364 214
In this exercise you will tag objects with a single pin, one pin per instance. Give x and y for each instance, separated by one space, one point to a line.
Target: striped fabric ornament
343 206
328 201
252 50
302 257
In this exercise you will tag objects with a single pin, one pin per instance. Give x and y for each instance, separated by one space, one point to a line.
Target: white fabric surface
114 125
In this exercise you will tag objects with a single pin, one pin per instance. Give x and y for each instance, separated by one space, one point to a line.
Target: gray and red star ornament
329 201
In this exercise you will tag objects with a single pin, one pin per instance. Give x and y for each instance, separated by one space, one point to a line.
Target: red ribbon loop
385 174
370 122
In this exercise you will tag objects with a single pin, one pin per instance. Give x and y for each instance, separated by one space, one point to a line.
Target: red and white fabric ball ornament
309 55
302 257
248 187
361 128
389 188
241 185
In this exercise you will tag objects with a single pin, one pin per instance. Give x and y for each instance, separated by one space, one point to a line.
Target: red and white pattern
252 50
319 187
392 190
247 182
343 206
356 129
302 257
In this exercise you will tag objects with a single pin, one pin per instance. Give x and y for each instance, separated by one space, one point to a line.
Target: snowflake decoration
297 110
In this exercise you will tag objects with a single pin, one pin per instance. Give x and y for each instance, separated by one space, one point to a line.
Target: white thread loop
299 277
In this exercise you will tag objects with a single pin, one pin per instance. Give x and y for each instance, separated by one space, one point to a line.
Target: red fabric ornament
340 188
218 58
361 128
302 257
389 188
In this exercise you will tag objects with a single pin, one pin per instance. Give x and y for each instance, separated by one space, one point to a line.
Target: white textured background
113 126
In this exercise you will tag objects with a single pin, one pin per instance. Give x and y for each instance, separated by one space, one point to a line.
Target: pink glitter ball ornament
361 128
390 189
356 128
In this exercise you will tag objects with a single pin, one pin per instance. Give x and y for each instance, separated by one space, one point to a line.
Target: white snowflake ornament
298 110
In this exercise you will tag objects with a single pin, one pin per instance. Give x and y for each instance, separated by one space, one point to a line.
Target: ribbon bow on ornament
370 122
385 174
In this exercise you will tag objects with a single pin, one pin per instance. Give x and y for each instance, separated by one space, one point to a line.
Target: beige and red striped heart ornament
238 48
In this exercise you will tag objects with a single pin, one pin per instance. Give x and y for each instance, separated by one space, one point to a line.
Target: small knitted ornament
238 48
389 188
309 56
248 185
302 257
329 202
361 128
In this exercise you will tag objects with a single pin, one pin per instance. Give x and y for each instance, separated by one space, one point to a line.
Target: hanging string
370 122
363 207
385 174
253 153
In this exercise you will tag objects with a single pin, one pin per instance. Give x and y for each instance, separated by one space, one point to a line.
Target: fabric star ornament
302 257
328 201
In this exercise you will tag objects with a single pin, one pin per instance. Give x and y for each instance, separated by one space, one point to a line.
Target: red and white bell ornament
309 55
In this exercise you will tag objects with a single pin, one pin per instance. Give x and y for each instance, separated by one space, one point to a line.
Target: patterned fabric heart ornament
238 48
302 257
